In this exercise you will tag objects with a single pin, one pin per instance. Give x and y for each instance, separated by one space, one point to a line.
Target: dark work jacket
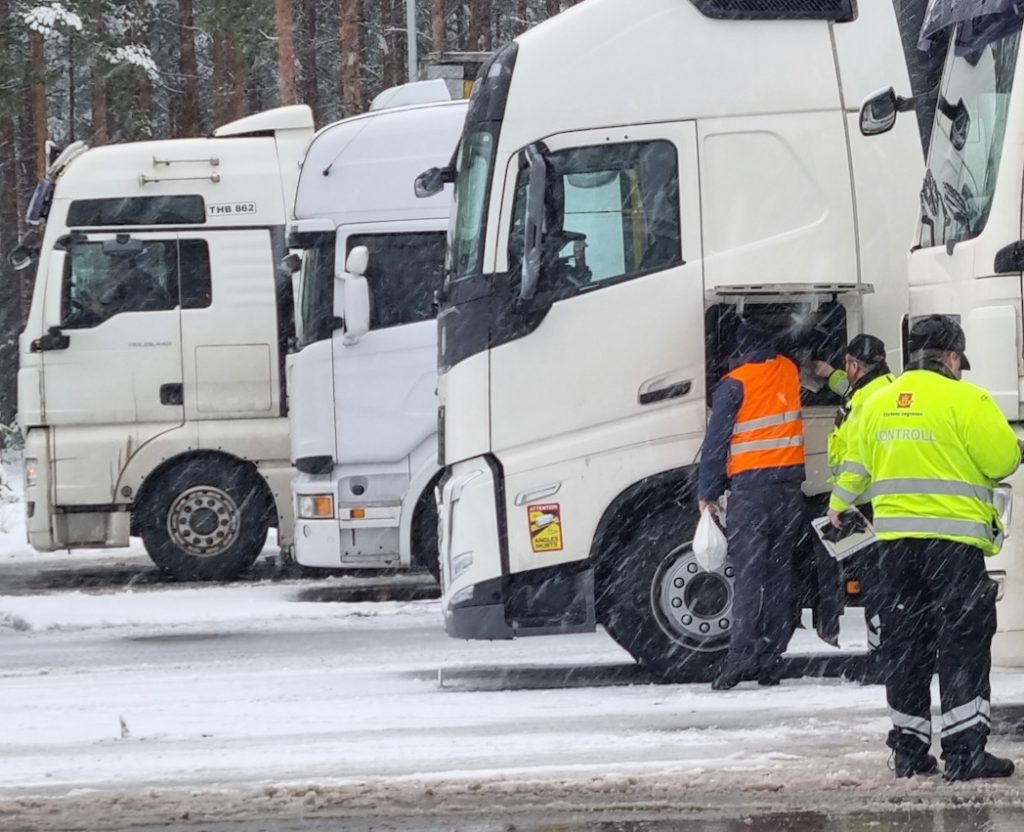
725 404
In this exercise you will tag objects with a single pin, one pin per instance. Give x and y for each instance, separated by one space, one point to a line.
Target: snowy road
257 700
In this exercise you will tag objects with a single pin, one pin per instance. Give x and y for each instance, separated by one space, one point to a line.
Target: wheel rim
692 606
204 521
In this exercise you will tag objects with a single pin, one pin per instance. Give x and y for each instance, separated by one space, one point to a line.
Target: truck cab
696 162
363 377
967 255
151 386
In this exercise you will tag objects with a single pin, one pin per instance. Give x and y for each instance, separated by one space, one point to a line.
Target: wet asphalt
965 819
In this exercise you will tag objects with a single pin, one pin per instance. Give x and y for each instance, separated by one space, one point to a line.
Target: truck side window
613 214
316 293
405 271
99 284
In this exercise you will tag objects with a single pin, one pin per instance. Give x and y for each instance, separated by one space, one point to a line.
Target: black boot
728 677
911 755
770 673
972 764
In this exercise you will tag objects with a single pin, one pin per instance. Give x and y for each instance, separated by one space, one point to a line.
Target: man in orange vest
755 440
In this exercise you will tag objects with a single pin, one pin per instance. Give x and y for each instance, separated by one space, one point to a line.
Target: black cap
867 349
938 332
753 335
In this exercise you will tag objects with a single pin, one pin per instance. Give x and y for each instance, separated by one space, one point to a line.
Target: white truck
967 258
363 380
696 160
151 386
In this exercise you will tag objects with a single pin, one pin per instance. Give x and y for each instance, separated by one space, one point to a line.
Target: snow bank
220 607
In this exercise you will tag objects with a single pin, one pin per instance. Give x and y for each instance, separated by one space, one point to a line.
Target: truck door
386 384
112 358
614 355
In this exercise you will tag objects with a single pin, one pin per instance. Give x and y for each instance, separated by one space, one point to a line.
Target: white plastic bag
709 543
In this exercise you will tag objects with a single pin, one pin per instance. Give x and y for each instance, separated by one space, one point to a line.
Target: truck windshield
316 292
967 142
472 186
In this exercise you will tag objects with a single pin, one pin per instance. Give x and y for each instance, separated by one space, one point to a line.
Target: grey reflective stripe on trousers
923 485
962 717
934 525
916 726
767 444
766 422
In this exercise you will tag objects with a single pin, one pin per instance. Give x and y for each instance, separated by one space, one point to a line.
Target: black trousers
763 525
939 613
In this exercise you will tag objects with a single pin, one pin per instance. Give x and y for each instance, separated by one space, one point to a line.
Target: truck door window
405 272
316 292
100 284
613 214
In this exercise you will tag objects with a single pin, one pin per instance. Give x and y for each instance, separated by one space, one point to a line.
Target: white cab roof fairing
612 62
371 162
246 170
294 117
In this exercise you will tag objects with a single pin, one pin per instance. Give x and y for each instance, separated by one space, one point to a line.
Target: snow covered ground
146 705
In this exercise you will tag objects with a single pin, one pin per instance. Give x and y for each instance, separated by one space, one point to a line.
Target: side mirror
20 258
357 307
358 261
356 294
878 113
533 223
1010 259
431 182
290 265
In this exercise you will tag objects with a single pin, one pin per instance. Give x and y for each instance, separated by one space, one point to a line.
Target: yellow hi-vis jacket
928 450
839 438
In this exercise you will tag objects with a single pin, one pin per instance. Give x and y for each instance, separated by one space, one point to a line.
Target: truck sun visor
984 21
840 11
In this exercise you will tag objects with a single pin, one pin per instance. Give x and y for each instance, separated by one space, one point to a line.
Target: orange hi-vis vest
769 432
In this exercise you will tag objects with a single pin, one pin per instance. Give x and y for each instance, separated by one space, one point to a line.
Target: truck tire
425 549
206 520
660 606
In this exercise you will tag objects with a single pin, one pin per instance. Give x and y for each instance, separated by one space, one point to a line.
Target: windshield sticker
545 527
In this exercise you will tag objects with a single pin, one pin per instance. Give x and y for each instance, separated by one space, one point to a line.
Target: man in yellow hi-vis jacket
931 448
865 370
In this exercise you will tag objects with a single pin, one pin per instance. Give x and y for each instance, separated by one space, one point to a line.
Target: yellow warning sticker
545 527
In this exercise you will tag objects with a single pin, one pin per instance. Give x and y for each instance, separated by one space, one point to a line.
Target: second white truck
363 379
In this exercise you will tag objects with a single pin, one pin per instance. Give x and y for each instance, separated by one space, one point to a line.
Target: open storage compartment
810 323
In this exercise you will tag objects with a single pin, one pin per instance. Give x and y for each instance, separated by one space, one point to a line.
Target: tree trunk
353 94
475 25
229 97
285 51
438 29
100 126
522 10
37 66
553 7
310 87
188 106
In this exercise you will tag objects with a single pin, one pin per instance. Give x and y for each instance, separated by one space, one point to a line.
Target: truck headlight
31 471
316 506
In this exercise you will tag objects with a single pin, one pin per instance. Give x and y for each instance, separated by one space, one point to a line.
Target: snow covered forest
125 70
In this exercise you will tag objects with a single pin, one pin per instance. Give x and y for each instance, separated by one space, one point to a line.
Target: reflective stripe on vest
934 526
766 422
768 432
918 485
851 468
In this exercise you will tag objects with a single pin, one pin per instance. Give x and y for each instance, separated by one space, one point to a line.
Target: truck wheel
205 520
425 549
661 607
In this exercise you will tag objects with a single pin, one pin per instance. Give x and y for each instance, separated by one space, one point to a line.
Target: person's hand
833 518
822 369
711 505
